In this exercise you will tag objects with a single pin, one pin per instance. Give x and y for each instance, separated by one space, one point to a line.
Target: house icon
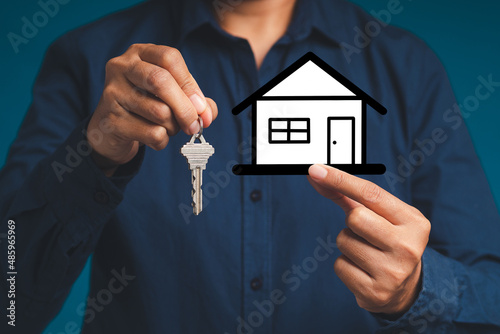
308 114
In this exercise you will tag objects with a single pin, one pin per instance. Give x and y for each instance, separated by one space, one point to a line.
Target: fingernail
199 103
317 172
194 127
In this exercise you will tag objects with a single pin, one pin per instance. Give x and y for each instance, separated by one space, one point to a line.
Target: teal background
463 33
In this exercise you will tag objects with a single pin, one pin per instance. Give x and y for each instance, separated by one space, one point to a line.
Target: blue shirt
259 258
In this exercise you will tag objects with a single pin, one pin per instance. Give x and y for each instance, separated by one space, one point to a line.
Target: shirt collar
326 16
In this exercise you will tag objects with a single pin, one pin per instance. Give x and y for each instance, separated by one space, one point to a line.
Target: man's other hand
382 245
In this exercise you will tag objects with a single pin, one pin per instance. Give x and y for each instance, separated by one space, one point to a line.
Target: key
197 155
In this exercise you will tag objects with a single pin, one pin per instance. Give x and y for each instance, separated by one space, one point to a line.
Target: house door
340 140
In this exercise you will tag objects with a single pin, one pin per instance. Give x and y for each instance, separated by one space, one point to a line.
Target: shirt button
101 197
256 284
250 115
256 195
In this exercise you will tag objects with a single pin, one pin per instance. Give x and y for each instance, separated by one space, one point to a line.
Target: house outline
358 165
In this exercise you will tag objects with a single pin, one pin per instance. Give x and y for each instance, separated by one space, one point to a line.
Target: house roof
346 87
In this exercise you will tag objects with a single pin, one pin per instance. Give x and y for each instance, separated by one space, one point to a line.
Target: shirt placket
256 224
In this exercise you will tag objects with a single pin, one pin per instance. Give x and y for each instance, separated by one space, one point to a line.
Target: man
96 169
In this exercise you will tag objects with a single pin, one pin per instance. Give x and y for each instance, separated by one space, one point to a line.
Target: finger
171 59
359 251
160 83
363 192
133 127
149 107
371 227
355 278
209 117
341 200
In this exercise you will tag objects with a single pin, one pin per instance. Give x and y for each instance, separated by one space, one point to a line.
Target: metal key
197 155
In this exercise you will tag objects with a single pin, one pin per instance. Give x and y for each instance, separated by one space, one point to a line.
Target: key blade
197 155
197 193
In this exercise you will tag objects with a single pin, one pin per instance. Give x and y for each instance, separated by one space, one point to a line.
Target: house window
289 130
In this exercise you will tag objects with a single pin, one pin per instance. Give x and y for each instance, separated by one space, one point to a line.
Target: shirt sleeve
56 196
461 265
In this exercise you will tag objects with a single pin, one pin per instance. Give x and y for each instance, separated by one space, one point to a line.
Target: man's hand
382 245
148 96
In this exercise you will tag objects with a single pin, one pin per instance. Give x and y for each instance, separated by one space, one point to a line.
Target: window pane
298 125
278 136
299 136
278 125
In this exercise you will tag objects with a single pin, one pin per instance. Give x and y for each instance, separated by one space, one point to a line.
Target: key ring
198 135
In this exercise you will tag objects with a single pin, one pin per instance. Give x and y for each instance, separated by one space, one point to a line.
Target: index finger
341 200
362 191
171 59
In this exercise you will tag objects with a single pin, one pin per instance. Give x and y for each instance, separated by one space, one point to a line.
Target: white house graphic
308 114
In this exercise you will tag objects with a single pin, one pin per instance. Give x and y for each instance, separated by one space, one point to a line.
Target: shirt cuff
437 303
